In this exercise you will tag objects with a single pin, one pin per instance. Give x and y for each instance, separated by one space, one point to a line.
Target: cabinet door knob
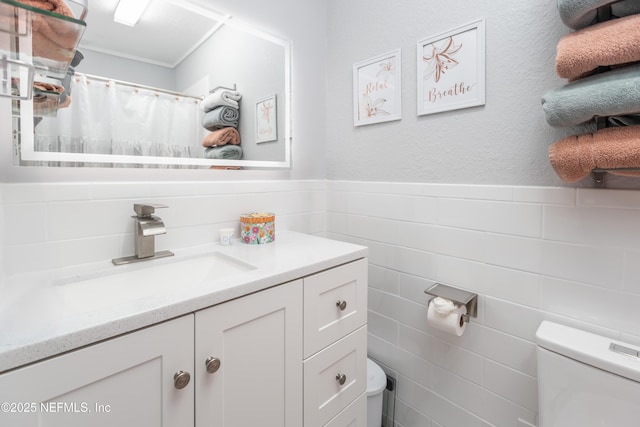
212 364
341 305
341 378
181 379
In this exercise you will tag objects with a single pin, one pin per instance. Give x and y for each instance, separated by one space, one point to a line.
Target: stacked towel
222 117
601 61
55 6
227 152
53 38
608 43
222 136
578 14
220 98
574 157
614 93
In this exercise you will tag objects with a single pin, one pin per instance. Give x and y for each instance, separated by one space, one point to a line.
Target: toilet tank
586 380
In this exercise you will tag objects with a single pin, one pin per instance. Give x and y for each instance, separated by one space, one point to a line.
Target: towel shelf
604 13
49 57
599 174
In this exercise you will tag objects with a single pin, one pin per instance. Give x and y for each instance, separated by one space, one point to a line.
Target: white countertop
40 318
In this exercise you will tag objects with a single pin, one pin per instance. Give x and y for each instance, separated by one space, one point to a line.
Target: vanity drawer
324 395
335 304
354 416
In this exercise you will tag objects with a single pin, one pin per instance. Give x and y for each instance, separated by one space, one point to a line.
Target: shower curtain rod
136 85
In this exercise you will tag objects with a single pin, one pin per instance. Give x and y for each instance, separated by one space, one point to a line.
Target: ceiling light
129 11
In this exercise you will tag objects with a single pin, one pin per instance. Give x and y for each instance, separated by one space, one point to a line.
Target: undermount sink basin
147 279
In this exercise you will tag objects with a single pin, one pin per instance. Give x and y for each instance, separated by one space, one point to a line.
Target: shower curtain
106 117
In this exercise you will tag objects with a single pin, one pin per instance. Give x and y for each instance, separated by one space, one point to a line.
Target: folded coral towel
579 14
574 157
614 93
608 43
222 136
228 152
221 98
53 38
221 117
56 6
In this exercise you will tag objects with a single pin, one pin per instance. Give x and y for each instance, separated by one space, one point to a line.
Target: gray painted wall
255 66
105 65
502 142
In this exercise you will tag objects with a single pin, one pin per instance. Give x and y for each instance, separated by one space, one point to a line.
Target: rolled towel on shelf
578 14
609 43
222 136
574 157
221 98
53 38
221 117
614 93
56 6
226 152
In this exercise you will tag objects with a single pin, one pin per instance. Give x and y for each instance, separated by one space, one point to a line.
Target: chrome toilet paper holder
457 296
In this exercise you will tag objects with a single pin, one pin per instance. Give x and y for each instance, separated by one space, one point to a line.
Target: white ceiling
165 34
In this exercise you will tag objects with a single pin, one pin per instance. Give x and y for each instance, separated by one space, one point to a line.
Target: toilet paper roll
451 322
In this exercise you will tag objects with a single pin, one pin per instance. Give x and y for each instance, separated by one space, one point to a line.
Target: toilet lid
376 378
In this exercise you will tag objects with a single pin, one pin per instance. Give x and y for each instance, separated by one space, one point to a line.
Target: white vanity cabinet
247 361
125 381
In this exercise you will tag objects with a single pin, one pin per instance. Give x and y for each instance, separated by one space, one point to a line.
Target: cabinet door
125 381
257 345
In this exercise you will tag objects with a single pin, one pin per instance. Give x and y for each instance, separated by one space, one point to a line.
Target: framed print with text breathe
451 69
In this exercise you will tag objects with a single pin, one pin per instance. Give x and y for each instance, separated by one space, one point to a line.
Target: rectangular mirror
140 95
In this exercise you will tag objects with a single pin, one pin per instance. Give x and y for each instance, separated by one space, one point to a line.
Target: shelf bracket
457 296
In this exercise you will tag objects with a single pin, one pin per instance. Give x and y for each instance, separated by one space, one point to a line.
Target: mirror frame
27 140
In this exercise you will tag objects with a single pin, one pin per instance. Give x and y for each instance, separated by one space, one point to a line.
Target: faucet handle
146 209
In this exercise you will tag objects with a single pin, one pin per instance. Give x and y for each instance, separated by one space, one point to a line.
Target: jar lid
255 218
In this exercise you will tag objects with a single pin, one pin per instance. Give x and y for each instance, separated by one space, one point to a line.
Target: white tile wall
531 253
45 226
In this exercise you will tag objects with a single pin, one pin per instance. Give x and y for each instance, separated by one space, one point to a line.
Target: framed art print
451 69
266 119
377 89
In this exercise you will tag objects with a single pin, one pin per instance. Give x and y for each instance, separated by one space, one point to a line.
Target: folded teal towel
614 93
221 117
579 14
228 152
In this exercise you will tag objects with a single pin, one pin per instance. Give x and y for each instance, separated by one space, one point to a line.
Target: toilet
585 379
376 383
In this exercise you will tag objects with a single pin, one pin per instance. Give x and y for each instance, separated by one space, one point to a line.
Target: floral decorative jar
257 228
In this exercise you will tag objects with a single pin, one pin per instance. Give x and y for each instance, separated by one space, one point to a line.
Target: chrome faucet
148 226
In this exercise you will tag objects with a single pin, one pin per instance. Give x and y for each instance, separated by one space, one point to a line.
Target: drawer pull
181 379
341 305
341 378
212 364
